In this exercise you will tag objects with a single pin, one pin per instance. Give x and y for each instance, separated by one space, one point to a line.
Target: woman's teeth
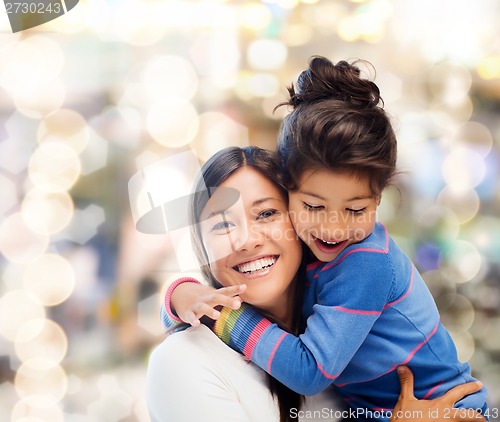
257 265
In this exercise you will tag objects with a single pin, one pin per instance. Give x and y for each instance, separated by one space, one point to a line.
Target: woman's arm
410 409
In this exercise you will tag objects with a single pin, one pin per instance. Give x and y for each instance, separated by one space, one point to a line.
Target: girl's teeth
330 243
257 265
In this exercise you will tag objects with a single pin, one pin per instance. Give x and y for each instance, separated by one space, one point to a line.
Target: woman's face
252 241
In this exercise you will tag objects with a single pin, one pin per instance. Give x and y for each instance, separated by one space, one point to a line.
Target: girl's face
331 211
252 241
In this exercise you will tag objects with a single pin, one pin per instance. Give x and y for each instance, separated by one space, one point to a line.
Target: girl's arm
346 309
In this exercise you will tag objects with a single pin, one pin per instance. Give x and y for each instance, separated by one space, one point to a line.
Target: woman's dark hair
337 122
214 172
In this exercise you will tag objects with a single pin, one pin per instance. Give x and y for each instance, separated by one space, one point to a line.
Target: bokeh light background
89 99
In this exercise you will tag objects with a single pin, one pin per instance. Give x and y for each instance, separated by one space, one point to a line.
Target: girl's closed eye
310 207
356 212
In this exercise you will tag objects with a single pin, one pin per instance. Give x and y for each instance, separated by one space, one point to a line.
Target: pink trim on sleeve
170 290
254 336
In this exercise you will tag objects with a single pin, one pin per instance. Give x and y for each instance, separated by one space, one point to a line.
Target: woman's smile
257 267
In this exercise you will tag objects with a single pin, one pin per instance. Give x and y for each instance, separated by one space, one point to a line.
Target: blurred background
92 100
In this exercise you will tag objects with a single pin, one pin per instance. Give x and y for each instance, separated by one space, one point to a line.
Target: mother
228 237
242 235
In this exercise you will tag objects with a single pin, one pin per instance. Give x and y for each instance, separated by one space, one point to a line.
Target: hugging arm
410 409
341 321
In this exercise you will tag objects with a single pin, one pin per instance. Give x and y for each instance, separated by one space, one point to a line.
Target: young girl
367 308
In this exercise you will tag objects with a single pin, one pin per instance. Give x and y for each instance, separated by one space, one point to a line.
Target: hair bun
324 80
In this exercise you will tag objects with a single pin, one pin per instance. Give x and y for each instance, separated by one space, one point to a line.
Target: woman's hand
410 409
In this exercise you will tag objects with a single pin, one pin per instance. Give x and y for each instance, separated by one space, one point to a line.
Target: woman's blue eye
223 225
268 213
309 207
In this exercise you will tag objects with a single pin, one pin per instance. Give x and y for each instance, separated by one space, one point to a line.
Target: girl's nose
333 232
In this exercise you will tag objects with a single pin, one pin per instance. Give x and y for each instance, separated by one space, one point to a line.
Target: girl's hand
192 301
410 409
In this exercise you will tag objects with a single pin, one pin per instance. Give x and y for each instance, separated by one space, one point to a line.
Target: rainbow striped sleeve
241 329
168 317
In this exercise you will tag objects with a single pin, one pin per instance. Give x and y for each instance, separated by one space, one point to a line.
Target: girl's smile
329 247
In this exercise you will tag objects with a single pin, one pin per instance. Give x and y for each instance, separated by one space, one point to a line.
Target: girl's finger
202 308
233 302
195 322
232 290
190 318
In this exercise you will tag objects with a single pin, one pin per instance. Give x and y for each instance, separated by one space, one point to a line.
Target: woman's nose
250 238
